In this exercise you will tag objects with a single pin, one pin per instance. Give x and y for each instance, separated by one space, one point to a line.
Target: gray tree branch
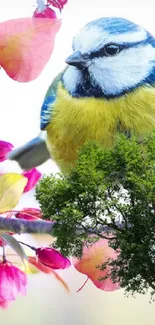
20 226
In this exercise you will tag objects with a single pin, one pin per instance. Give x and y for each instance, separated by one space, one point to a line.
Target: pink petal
34 261
33 176
12 282
5 148
10 215
8 290
95 256
26 45
45 269
4 304
29 214
20 280
52 258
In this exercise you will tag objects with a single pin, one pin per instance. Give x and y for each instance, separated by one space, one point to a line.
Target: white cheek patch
89 40
71 78
123 71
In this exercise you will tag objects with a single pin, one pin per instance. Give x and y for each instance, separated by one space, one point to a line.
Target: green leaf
11 189
14 244
119 184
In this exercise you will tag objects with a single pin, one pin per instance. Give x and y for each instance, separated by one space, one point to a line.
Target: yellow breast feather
76 120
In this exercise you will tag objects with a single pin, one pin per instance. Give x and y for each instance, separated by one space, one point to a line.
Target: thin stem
83 285
96 232
4 255
32 247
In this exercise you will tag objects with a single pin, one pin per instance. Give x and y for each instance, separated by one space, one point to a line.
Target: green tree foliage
108 190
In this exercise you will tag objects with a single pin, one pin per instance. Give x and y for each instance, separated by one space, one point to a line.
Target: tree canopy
110 193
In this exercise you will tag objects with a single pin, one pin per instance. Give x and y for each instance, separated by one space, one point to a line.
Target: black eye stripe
104 50
124 46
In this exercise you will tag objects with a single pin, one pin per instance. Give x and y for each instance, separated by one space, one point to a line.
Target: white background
46 302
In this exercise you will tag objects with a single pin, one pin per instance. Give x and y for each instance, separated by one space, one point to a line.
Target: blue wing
46 110
50 97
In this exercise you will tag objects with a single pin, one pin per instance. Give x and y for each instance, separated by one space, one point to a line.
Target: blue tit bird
107 87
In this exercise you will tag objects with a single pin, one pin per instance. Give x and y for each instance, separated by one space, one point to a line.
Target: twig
94 231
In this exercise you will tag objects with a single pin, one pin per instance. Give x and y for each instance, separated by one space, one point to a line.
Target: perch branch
20 226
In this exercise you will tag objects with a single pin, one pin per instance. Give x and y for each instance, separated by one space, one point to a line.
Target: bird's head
111 56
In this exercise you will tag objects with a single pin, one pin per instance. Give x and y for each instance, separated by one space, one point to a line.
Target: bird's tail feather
31 154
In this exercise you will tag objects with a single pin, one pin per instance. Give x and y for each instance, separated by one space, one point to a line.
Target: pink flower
52 258
57 3
33 176
29 214
5 148
91 261
12 282
46 13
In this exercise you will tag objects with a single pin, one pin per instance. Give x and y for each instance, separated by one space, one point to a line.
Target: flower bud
47 13
5 148
29 214
52 258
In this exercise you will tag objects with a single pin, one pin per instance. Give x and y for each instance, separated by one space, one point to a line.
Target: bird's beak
76 59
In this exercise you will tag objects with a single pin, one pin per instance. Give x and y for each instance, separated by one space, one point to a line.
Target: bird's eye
111 49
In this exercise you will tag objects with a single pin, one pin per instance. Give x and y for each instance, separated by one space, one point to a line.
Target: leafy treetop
108 191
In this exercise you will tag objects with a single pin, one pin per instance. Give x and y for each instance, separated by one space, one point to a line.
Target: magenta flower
12 282
5 148
57 3
33 176
52 258
46 13
29 214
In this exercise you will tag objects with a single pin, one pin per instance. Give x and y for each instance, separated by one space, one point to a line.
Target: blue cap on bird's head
111 56
114 25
